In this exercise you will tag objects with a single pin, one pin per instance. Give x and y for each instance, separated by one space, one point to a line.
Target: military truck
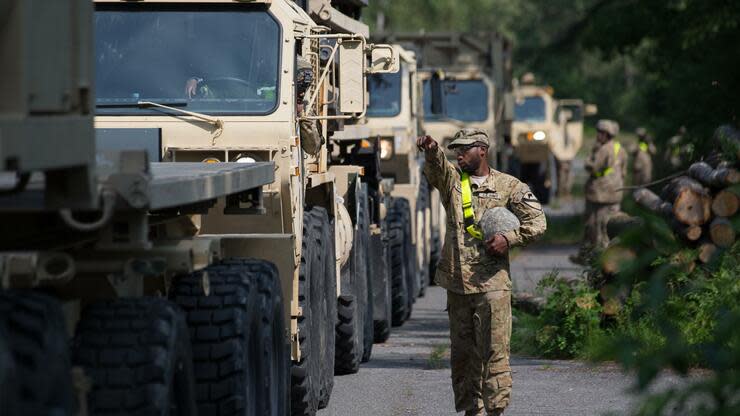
220 81
466 83
395 120
108 302
546 134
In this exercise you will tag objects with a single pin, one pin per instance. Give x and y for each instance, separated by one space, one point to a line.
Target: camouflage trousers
565 177
480 333
597 215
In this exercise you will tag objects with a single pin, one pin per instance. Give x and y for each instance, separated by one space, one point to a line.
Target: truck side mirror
437 88
384 59
591 110
351 76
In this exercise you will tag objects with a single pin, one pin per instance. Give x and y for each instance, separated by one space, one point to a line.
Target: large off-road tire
352 306
421 208
363 227
535 175
36 357
238 334
328 306
315 328
398 266
435 250
382 281
137 354
402 207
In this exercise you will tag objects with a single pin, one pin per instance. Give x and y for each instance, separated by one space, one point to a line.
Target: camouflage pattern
465 266
603 187
311 138
469 136
595 236
642 167
480 334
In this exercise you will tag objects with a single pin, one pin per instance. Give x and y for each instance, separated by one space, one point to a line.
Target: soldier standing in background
642 162
475 271
606 166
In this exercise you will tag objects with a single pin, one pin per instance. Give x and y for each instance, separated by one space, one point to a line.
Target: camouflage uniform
607 166
478 283
642 165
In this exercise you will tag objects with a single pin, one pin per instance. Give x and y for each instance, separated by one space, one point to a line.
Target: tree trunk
725 203
706 252
715 178
691 203
721 232
648 199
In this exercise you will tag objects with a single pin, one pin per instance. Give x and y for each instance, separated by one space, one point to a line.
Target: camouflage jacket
465 266
642 167
607 170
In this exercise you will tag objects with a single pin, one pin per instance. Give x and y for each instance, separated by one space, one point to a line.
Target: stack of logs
700 207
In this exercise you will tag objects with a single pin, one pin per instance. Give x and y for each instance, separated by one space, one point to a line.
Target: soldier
475 271
642 165
606 166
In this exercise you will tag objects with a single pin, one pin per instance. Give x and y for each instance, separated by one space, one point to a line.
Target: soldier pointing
474 267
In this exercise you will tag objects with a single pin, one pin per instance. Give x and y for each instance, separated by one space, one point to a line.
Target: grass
438 358
563 230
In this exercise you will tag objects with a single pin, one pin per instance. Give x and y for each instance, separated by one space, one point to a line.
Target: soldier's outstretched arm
532 220
439 171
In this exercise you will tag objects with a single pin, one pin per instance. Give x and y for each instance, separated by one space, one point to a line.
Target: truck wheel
402 206
137 354
434 251
398 266
8 391
382 281
421 208
535 175
240 321
323 287
352 305
306 376
37 357
364 255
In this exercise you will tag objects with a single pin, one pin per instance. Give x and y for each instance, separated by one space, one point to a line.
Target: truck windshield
465 100
530 109
219 59
385 95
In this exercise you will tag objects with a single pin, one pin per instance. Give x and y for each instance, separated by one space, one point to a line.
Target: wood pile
701 207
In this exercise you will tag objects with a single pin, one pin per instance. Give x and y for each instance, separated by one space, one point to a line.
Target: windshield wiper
218 123
138 104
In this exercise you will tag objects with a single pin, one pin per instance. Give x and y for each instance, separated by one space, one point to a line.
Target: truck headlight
539 135
386 149
211 160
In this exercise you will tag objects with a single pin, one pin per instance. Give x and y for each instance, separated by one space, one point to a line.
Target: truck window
228 55
385 95
465 100
530 109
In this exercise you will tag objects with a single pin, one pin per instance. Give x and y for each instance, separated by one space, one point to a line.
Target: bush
570 316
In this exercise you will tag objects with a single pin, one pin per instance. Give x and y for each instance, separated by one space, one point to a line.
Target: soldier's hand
497 245
426 143
191 87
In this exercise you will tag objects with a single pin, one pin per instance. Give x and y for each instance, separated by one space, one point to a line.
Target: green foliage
570 316
563 230
524 334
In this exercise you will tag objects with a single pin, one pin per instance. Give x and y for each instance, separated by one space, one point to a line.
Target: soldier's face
470 158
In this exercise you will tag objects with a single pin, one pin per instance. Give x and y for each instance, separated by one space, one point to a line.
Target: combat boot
496 412
476 412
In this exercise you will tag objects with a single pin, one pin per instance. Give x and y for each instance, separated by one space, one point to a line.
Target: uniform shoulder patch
530 200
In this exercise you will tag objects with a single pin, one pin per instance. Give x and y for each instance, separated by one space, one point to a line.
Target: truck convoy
201 247
394 121
546 134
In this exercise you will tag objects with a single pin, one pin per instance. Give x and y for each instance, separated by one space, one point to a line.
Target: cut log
615 257
622 222
648 199
721 232
725 203
691 202
687 232
707 252
715 178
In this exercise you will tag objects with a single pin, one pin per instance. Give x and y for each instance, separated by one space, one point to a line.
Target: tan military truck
395 120
546 134
220 81
108 303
